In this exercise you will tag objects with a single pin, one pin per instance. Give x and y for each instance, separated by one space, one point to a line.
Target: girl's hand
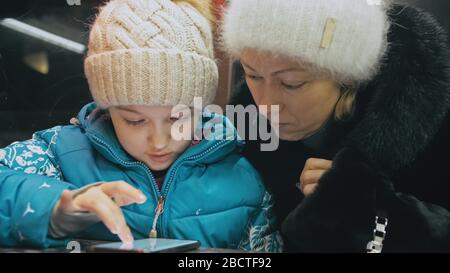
312 172
105 201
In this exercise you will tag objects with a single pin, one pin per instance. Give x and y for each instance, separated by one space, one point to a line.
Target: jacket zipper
158 211
160 206
172 175
149 173
161 197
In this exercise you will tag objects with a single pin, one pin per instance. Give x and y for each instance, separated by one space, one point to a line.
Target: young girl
117 171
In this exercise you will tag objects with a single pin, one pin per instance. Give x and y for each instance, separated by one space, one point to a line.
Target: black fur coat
391 156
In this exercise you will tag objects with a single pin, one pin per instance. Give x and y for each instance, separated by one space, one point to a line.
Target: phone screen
148 246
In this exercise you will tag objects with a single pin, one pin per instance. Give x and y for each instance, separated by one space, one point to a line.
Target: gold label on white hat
328 32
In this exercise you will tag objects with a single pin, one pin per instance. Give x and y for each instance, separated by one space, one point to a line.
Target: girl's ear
108 114
105 113
109 109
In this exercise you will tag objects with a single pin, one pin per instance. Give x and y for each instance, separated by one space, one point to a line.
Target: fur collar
406 103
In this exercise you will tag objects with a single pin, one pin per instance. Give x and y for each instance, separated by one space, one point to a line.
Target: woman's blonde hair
345 105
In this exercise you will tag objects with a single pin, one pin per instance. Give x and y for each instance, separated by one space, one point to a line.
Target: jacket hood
222 140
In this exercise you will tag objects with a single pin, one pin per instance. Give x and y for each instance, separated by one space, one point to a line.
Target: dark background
30 100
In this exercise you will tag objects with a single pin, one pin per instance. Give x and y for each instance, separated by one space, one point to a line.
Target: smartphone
151 245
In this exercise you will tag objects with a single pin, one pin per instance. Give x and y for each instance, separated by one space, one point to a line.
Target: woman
363 89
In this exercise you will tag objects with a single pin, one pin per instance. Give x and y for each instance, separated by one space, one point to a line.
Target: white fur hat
151 52
346 37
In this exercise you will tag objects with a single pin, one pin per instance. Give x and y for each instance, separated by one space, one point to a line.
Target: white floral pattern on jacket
260 238
33 156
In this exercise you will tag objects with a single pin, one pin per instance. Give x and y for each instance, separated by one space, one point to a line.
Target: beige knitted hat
151 52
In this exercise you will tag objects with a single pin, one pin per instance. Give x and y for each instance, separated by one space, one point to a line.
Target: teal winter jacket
212 194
